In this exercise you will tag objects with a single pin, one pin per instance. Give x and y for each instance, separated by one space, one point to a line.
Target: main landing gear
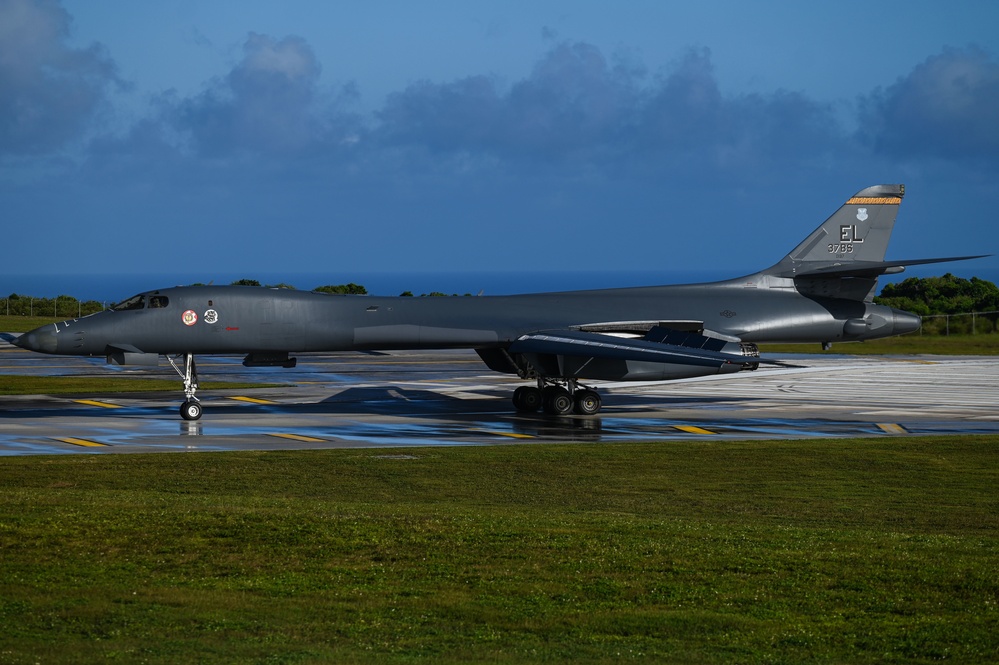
557 397
191 408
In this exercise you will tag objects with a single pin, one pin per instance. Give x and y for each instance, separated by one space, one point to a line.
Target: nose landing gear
191 408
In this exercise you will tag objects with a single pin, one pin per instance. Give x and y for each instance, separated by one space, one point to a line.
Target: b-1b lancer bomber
821 292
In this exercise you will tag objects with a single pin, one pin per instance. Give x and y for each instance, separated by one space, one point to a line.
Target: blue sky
360 137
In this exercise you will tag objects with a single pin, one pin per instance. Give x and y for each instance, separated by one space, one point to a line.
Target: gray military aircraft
821 292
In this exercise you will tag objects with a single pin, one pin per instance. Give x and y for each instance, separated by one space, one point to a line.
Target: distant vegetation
941 295
935 297
345 289
60 307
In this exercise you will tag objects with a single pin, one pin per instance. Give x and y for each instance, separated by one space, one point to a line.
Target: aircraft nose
905 322
41 339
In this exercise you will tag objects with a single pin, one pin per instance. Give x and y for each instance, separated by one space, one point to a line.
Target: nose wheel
191 408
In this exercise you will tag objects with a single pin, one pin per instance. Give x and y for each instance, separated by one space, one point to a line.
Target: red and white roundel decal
190 317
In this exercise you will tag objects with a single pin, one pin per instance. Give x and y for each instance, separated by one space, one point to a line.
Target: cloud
270 103
582 148
947 107
48 91
579 107
689 111
573 101
576 108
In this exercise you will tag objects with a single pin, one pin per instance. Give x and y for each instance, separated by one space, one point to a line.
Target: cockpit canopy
139 302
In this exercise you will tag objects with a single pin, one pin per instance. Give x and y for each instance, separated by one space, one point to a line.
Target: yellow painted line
80 442
512 435
892 428
91 402
253 400
298 437
690 429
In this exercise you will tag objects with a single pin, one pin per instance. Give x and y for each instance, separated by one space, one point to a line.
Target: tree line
941 295
64 307
939 299
350 289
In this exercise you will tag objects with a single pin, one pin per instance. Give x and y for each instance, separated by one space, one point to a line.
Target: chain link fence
60 307
964 323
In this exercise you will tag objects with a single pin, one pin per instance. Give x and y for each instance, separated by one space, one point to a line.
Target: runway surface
449 398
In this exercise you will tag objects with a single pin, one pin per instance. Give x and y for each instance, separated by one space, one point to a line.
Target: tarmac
444 398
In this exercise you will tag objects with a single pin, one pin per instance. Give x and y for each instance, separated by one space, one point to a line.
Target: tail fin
845 255
858 232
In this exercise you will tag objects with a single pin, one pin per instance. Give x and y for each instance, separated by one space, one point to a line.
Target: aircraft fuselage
820 292
238 319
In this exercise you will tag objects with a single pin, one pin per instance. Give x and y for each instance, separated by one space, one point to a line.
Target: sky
349 138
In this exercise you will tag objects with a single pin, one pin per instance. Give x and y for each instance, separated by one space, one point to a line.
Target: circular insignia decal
211 316
190 317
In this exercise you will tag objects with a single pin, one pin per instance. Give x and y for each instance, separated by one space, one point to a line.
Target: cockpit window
135 302
158 301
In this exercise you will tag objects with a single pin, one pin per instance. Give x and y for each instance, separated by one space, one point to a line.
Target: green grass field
13 384
817 551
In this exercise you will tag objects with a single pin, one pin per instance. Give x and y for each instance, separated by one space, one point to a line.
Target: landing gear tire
190 410
527 399
558 401
586 402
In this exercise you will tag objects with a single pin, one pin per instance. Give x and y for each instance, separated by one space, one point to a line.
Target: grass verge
865 550
11 384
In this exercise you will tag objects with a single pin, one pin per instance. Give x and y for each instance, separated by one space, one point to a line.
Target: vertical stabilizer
858 231
855 235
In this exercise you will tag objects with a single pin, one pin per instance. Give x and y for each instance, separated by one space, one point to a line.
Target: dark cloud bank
580 136
576 106
49 93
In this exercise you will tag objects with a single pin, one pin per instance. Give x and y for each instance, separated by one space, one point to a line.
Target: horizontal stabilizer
864 268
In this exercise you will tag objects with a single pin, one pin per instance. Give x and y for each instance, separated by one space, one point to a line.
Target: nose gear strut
191 408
